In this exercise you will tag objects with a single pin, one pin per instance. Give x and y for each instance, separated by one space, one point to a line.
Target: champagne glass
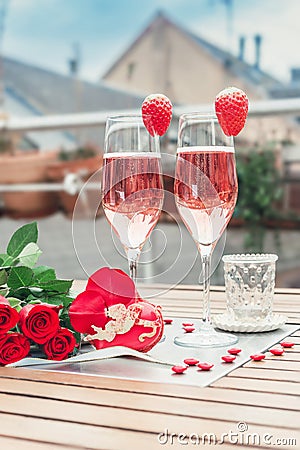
206 192
132 190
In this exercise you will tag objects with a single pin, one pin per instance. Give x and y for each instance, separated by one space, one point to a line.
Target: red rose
13 347
39 322
60 345
9 317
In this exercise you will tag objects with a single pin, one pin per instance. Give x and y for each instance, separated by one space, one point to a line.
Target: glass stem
133 255
206 321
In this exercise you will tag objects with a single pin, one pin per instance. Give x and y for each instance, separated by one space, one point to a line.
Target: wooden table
45 410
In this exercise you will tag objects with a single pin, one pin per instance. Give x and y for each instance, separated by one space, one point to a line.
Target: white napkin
105 353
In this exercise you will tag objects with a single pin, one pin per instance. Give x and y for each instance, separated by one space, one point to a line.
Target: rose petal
89 308
115 283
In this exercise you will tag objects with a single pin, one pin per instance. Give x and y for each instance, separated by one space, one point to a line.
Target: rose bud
39 322
13 347
61 345
9 317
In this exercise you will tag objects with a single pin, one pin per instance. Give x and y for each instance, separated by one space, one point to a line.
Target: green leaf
59 286
6 260
19 277
36 292
64 300
4 292
29 255
25 235
44 273
15 303
3 277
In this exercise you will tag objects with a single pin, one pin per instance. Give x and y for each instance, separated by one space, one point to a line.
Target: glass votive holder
249 286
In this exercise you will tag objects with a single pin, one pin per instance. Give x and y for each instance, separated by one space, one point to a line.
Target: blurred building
167 58
33 91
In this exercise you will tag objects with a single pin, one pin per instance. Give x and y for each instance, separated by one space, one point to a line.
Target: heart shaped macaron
110 313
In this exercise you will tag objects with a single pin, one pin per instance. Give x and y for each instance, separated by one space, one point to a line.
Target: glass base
206 338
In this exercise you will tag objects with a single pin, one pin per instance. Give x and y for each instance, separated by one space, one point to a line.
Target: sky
43 32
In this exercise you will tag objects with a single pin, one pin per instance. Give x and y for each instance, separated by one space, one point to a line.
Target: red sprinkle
168 321
287 344
205 366
189 329
179 369
234 351
228 358
191 361
258 357
276 351
187 324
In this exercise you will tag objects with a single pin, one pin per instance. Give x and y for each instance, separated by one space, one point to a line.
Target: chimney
242 42
295 75
257 43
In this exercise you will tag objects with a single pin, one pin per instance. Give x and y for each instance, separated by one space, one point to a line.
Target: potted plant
83 161
259 194
25 167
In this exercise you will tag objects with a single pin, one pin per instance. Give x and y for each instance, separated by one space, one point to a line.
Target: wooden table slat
47 409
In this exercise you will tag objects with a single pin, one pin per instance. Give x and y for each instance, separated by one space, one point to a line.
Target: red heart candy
168 321
191 361
179 369
205 366
258 357
189 329
187 324
228 358
234 351
287 344
276 351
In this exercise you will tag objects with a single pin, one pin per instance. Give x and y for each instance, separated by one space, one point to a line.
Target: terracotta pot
57 170
30 167
85 167
19 205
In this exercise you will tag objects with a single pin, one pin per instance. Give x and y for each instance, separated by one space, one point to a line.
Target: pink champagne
132 195
206 190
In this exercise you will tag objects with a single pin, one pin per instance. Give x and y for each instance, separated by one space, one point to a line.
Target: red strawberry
157 113
231 107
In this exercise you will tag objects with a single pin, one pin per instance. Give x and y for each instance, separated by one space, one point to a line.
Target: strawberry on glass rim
231 106
157 114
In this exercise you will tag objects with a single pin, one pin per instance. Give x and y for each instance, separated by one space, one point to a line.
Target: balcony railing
78 120
72 184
